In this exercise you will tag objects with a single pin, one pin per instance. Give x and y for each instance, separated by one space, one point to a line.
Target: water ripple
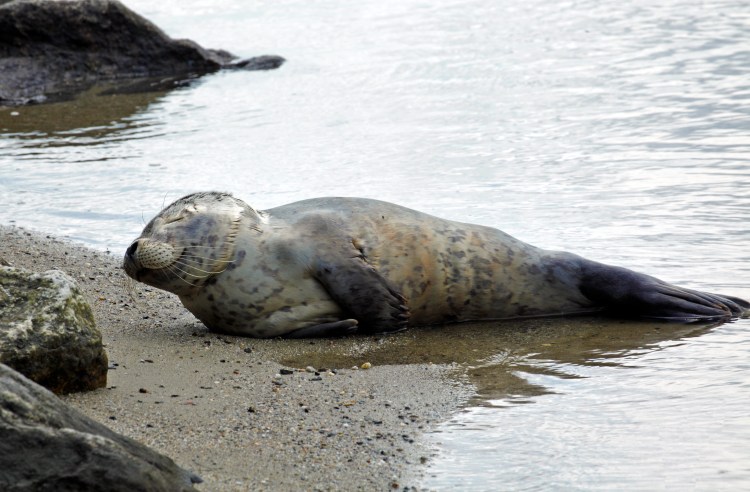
617 130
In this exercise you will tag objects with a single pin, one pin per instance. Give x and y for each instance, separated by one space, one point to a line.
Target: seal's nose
131 250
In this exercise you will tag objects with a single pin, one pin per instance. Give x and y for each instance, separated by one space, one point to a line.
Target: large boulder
48 446
51 49
47 331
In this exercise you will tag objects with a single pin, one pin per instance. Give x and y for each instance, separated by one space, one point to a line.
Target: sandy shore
247 414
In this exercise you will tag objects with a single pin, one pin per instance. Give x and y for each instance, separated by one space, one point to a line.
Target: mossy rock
47 331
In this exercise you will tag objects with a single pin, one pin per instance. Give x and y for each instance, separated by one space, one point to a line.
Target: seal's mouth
144 256
164 266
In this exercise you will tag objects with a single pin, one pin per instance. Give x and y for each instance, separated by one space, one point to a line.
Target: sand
248 414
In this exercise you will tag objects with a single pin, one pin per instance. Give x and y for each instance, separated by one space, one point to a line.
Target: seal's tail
631 294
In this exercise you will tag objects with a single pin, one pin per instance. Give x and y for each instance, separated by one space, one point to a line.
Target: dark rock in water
47 331
265 62
50 50
46 445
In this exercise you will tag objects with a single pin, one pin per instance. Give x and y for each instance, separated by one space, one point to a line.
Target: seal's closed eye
172 220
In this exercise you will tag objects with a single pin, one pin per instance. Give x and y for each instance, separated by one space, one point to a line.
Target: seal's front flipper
362 292
631 294
334 329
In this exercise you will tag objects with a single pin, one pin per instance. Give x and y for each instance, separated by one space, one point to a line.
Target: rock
47 331
265 62
50 50
47 445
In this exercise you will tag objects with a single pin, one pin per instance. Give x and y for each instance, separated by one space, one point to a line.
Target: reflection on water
96 115
491 355
616 130
668 415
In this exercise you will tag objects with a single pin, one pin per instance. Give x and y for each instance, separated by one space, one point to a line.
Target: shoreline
243 413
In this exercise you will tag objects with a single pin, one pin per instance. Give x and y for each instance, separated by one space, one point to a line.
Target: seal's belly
244 303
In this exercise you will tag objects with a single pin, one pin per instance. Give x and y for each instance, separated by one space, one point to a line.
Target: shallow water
617 130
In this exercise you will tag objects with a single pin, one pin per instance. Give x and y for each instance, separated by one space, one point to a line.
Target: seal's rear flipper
631 294
365 294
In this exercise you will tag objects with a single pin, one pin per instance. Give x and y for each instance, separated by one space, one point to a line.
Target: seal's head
188 243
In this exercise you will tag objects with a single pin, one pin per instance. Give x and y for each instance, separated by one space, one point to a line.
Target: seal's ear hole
132 249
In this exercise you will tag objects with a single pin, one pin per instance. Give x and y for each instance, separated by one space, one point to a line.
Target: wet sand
248 414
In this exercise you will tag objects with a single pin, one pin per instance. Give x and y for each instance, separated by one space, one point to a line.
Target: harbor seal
331 266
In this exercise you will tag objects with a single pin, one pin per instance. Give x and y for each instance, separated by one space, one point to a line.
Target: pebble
366 365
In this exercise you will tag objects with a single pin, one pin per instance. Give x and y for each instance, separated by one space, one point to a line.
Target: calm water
619 130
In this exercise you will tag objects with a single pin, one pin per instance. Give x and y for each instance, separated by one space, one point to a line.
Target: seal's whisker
129 286
193 246
201 259
172 269
196 257
186 265
206 274
166 274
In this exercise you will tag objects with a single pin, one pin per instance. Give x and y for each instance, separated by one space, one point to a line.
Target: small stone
310 369
142 390
286 372
366 365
